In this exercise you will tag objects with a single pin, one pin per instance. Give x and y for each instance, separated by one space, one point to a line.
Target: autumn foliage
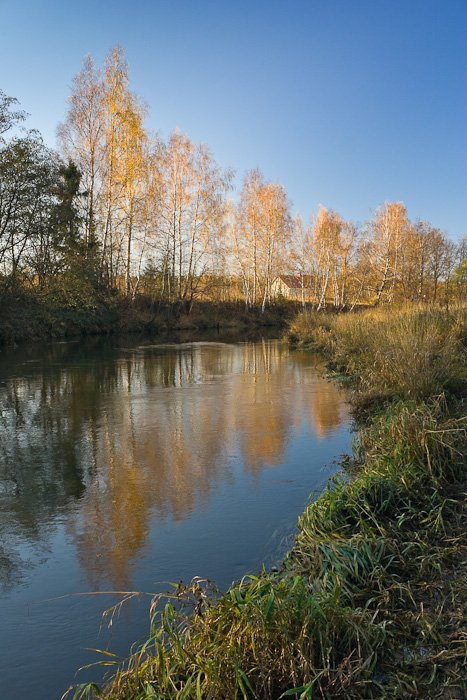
125 212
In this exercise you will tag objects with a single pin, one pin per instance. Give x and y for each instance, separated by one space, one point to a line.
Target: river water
125 466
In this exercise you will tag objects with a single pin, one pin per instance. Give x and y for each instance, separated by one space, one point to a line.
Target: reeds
368 603
410 353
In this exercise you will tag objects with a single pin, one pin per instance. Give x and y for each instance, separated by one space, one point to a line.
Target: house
296 287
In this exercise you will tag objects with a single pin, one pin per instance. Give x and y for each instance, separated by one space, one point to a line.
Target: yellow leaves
328 229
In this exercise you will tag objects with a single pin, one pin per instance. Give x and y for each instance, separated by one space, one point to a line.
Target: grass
369 601
408 353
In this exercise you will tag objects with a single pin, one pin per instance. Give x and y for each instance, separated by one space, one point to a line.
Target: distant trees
190 217
300 259
80 137
145 197
323 257
390 259
403 260
428 258
40 221
261 236
27 177
382 249
127 212
332 241
103 134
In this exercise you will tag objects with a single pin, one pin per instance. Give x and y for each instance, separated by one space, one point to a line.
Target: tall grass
410 353
368 603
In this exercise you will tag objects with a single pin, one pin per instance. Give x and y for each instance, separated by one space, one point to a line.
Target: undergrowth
369 601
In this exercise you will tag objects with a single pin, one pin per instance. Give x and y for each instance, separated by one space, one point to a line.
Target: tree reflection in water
113 438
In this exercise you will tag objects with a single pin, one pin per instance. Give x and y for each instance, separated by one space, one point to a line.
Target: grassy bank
369 601
30 317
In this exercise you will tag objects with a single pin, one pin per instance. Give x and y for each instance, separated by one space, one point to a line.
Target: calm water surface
125 467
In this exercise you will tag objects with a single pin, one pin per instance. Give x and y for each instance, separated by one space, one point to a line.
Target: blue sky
348 103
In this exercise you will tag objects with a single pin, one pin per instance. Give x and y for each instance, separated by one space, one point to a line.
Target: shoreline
35 322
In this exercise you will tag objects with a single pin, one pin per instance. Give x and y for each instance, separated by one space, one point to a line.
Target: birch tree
301 256
81 137
326 232
192 215
383 249
261 235
274 235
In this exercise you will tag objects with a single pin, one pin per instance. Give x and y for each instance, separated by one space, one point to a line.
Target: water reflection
113 439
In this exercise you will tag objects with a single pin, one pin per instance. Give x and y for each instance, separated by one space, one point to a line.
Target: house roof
295 281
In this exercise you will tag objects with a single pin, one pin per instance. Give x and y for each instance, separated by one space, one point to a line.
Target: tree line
118 210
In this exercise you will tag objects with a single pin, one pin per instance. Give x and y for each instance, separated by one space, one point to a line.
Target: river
127 465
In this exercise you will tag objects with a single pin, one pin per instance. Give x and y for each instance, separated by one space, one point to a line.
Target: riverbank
27 317
369 601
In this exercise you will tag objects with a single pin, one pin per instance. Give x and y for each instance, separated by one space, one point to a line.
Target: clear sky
348 103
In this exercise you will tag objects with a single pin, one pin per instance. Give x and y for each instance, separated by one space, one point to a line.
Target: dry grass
409 353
